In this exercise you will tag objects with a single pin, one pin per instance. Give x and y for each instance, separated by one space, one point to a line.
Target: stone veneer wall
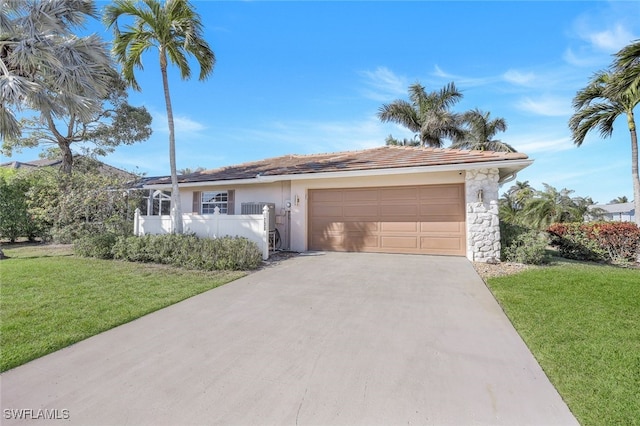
483 226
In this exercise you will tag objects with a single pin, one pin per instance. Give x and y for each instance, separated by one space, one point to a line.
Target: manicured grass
51 299
582 323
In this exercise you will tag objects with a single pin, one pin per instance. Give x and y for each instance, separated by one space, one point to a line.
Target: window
156 203
213 199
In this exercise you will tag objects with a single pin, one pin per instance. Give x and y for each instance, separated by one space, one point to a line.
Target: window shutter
197 205
231 201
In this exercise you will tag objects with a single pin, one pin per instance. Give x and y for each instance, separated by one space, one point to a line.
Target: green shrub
509 233
99 245
528 247
189 251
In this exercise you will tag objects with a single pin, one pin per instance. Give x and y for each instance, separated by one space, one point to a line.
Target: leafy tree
175 29
115 124
619 200
46 68
428 115
598 105
15 221
479 132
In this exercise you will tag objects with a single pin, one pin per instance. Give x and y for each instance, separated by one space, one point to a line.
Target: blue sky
309 77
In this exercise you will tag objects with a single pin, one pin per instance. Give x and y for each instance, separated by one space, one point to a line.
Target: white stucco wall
483 224
275 192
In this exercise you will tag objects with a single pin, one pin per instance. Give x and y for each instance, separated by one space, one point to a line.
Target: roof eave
506 167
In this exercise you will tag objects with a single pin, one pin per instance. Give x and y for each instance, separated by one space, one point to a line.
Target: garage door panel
417 219
327 227
442 226
399 242
327 196
397 211
360 211
400 193
440 192
351 195
445 243
360 227
391 227
327 211
441 210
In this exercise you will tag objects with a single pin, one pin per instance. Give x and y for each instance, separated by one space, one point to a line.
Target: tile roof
386 157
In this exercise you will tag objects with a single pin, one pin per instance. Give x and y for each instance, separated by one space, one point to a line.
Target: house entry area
428 219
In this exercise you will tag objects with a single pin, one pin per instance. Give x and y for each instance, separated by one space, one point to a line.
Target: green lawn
582 323
50 298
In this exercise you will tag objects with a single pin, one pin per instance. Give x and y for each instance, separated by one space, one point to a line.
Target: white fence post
136 223
265 233
216 221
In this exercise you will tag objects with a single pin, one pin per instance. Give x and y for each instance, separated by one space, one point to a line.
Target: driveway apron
319 339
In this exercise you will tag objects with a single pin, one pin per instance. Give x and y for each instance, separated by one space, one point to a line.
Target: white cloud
520 78
181 123
583 58
540 143
547 106
463 81
610 40
383 84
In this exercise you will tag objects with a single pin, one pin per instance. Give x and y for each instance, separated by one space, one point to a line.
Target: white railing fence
250 226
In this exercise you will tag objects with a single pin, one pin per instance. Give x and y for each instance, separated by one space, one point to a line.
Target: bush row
189 251
616 242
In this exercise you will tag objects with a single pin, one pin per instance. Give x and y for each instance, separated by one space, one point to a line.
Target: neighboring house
617 212
385 200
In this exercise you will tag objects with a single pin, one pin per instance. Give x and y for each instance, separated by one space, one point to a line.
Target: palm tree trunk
176 210
634 166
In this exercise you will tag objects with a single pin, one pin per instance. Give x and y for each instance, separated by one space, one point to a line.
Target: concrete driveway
321 339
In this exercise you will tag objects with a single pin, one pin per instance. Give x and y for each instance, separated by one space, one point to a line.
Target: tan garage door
426 219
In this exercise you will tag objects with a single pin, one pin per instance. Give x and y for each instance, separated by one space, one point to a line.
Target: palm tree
597 106
619 200
512 202
552 206
46 68
480 132
628 65
427 115
175 29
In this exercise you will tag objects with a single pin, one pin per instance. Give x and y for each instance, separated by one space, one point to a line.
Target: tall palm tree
597 106
47 69
175 29
480 132
627 63
428 115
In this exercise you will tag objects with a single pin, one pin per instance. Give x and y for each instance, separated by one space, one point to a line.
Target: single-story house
618 212
387 199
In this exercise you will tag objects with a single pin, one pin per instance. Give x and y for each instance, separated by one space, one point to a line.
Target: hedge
615 242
